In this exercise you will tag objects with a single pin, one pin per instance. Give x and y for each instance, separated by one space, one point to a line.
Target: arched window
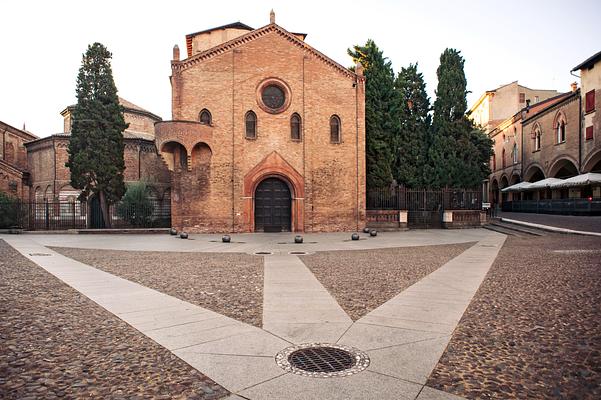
205 117
334 129
503 158
515 153
494 162
536 137
295 127
251 125
561 132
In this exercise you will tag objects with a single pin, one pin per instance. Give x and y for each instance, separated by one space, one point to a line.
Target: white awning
591 178
518 187
545 183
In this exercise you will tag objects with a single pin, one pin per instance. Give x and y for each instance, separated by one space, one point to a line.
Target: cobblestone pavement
533 329
577 223
55 343
230 284
361 280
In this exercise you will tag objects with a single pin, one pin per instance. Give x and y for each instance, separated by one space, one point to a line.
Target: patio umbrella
518 187
591 178
545 183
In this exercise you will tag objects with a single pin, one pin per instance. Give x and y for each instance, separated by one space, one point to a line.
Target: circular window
273 97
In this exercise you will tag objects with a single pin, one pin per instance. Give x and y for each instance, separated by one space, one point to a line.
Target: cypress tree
459 152
381 114
412 147
96 144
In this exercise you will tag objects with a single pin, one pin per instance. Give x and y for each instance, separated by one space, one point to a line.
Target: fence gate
424 209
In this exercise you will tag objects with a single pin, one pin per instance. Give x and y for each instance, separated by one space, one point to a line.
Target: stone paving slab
296 306
233 372
412 362
365 385
372 337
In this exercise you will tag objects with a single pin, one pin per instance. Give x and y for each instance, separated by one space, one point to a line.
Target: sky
41 43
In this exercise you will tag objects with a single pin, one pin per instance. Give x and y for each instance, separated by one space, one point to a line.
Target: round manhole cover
322 360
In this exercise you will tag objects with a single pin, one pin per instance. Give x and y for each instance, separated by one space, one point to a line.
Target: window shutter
589 133
590 101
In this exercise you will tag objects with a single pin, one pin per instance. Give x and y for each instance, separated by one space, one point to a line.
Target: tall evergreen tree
459 152
411 150
96 143
381 113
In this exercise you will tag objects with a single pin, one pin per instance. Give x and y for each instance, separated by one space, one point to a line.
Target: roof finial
272 17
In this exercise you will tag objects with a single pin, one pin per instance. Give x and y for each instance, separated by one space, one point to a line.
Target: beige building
495 106
590 80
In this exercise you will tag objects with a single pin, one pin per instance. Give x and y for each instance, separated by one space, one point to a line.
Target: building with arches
267 134
553 138
49 179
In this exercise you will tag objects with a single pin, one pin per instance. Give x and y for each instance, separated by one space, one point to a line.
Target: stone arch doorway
273 206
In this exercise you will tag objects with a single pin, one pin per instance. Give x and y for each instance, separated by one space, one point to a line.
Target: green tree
12 211
136 207
96 143
459 151
412 145
381 113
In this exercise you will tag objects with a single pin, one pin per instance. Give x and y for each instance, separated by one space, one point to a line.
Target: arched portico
534 173
274 166
563 168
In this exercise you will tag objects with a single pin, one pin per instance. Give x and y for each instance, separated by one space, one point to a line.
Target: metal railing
400 198
63 215
555 206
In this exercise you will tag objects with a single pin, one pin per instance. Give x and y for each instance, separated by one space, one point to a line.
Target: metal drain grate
322 360
298 253
263 253
40 254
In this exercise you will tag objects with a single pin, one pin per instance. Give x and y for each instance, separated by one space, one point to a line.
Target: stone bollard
298 239
373 233
355 236
226 239
173 231
183 235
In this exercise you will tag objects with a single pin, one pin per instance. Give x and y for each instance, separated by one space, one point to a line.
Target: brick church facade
268 134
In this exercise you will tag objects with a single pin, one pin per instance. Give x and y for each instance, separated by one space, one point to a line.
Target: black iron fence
62 215
400 198
574 206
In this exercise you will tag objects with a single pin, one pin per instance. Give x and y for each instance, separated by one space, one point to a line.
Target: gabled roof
545 105
19 132
589 62
128 105
257 33
234 25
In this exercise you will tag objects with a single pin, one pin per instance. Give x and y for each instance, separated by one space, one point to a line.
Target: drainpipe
357 149
4 145
233 138
304 121
580 122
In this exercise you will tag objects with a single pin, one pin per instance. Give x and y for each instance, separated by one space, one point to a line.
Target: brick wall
208 198
551 152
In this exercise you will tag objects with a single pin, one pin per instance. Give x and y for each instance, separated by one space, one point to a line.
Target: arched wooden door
273 206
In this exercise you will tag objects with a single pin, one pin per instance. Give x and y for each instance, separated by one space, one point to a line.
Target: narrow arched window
561 132
515 153
503 159
537 139
251 125
295 127
205 117
335 129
